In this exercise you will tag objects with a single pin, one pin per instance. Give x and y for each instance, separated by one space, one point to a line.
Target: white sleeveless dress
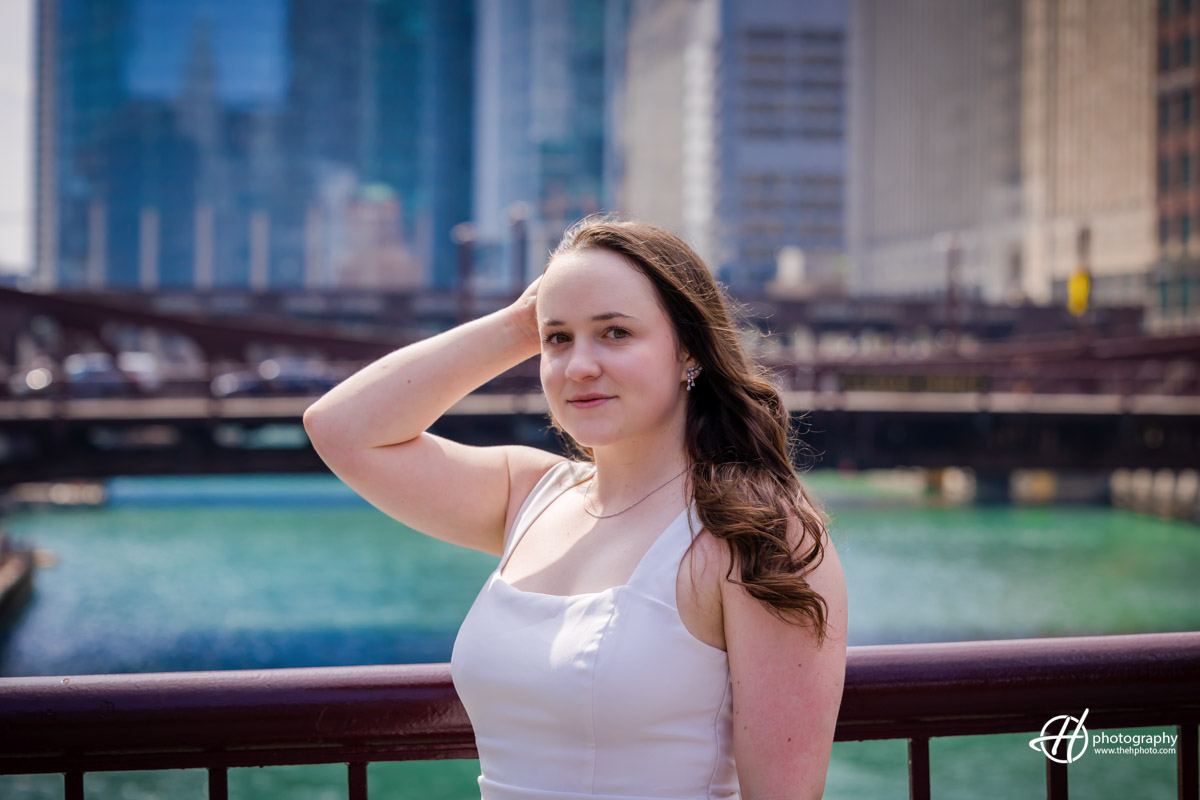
599 695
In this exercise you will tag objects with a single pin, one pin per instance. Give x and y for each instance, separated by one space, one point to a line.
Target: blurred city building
934 142
667 139
734 131
1176 278
1004 150
547 76
1000 149
245 143
1087 124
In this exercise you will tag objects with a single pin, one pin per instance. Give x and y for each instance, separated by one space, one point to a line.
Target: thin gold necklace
588 498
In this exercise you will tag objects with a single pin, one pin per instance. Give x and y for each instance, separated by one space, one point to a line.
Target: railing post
73 785
358 780
918 768
1186 762
1056 779
218 783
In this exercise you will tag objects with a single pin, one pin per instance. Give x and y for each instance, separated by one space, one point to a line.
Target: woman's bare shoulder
526 467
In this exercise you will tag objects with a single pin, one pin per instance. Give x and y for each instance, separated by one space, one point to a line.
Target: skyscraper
544 78
667 139
735 127
1023 127
241 142
782 134
1175 296
935 144
1087 144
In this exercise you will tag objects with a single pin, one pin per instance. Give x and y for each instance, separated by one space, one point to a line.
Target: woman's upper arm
458 493
786 690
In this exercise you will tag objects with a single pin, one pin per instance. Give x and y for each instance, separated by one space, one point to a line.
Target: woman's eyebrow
598 318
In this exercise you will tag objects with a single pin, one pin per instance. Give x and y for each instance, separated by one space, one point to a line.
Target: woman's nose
582 363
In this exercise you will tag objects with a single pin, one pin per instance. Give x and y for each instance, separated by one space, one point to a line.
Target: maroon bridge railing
357 715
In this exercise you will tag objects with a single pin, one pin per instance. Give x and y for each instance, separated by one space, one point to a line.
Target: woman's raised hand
523 314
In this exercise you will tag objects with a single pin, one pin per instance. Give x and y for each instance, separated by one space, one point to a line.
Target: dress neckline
611 589
519 533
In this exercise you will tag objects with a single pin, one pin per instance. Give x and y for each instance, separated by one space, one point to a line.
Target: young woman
668 618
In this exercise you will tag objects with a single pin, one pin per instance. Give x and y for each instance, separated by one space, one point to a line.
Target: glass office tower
252 143
780 135
546 80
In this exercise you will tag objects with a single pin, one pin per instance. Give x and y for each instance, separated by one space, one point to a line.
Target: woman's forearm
397 397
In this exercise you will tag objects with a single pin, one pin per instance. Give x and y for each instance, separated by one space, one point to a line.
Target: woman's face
610 366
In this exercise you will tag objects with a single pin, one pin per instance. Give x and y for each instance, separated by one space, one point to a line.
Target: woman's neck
627 474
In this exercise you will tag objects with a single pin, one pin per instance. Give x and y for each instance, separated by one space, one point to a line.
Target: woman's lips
589 403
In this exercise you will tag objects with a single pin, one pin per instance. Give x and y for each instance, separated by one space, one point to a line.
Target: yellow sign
1078 288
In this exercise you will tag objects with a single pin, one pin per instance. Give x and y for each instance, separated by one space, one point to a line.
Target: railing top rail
324 706
1013 685
316 715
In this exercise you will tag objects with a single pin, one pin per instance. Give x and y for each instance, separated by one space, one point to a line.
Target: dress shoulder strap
557 480
657 573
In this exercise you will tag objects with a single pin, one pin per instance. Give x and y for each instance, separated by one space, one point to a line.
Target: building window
1185 6
1185 107
1164 113
1164 231
1185 230
1185 169
1164 174
1164 9
1164 57
1185 51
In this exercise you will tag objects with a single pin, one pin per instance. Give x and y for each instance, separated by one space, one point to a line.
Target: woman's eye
558 337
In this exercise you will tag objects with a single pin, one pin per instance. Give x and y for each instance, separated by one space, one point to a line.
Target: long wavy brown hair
740 443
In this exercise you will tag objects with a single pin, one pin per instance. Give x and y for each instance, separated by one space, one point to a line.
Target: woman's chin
590 437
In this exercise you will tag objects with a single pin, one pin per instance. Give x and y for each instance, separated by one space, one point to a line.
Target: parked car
95 374
32 379
277 376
